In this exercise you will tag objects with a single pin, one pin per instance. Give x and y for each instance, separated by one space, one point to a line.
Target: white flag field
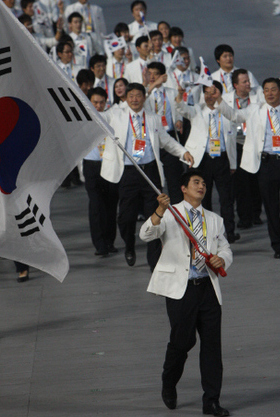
47 125
205 77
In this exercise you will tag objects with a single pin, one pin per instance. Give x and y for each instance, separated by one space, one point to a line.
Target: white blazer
113 158
133 72
171 95
109 66
255 116
197 140
136 32
96 15
217 76
171 274
172 83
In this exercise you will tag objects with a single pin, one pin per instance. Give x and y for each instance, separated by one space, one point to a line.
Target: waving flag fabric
46 126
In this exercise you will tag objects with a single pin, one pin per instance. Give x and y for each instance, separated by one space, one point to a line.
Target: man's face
86 86
176 40
99 69
135 99
67 54
125 34
196 189
144 49
29 26
243 87
119 54
164 29
208 97
154 74
76 25
272 94
186 59
136 12
226 61
157 42
9 3
29 10
98 101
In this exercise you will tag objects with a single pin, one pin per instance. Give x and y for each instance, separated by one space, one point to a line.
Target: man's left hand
217 262
188 157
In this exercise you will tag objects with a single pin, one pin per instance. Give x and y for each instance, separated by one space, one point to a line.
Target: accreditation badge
164 122
101 148
276 144
88 28
138 150
214 147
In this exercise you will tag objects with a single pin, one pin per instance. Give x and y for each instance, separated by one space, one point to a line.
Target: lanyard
271 124
238 104
114 71
223 82
219 128
143 126
176 78
164 104
89 16
203 223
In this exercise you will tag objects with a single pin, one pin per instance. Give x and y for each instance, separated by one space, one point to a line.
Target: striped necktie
136 124
213 127
227 78
199 261
275 121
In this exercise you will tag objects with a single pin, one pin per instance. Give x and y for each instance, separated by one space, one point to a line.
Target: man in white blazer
193 296
97 64
142 134
161 100
245 185
224 55
261 150
93 19
137 28
215 163
134 70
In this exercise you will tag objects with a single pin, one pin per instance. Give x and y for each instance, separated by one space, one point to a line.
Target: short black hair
163 22
181 50
74 14
157 65
121 27
60 46
136 2
136 86
24 3
175 31
97 58
85 76
220 49
25 18
191 172
141 40
154 33
216 84
116 98
271 80
235 74
66 38
98 91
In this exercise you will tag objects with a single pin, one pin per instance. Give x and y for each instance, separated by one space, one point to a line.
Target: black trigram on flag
69 104
5 61
29 220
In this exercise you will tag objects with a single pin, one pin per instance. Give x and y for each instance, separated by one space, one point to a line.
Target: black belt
142 166
265 156
198 281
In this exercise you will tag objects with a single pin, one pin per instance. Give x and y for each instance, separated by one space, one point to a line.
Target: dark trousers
103 201
199 311
134 187
21 267
246 192
218 170
173 170
269 181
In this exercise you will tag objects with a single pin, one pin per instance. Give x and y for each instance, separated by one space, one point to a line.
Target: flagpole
158 192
